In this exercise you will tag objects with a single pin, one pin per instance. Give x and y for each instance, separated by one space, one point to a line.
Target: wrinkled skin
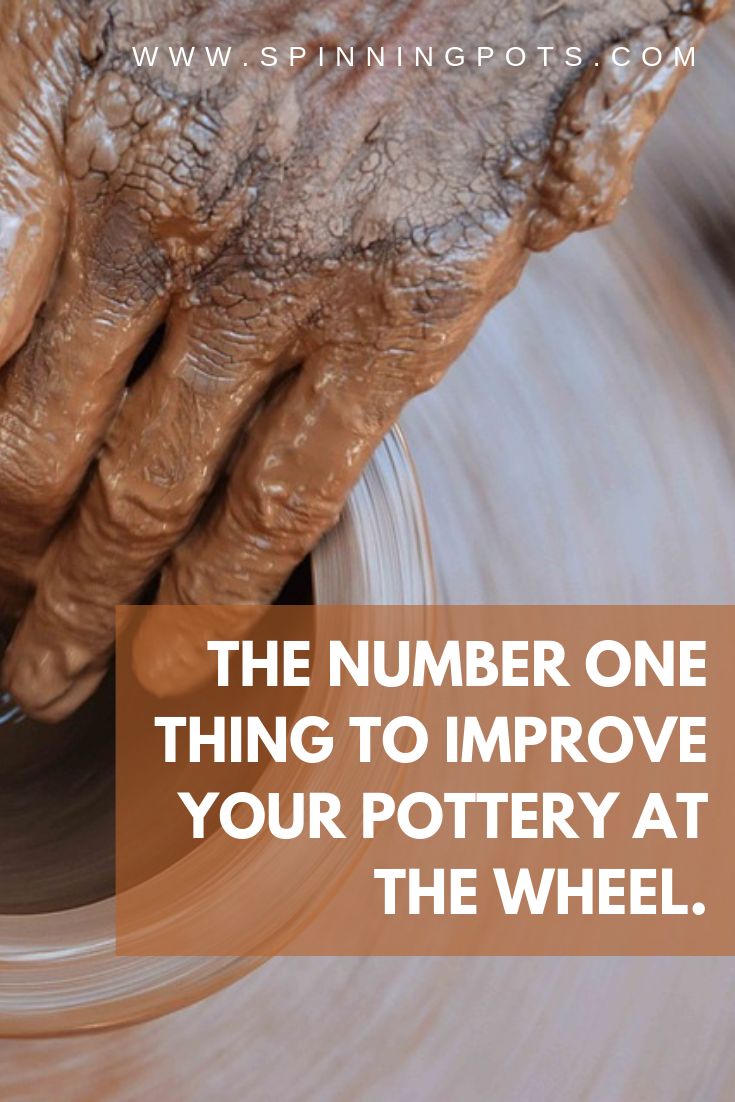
341 232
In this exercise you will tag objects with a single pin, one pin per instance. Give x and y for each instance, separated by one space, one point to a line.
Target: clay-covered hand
320 244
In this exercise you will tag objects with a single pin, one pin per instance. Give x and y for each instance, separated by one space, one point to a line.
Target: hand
320 245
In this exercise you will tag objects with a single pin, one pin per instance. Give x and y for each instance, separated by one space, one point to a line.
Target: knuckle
135 507
444 294
310 513
433 311
287 518
424 298
424 378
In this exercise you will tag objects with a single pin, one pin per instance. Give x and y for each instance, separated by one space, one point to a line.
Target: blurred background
583 450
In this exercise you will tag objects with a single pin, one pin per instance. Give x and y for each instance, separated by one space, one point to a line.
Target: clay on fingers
600 130
161 458
380 233
37 47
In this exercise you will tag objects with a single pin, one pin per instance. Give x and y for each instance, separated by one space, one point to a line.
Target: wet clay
57 806
354 224
600 130
57 796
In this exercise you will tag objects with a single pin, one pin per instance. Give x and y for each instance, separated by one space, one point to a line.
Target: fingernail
48 682
166 661
33 678
171 656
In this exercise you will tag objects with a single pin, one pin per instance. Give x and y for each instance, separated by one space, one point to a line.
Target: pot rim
58 972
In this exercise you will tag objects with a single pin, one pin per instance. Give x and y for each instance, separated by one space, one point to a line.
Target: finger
168 445
60 392
287 489
32 216
178 648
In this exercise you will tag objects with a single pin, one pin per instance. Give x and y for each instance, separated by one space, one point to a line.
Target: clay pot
58 969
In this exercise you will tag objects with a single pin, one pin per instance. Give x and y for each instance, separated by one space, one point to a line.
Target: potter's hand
342 232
